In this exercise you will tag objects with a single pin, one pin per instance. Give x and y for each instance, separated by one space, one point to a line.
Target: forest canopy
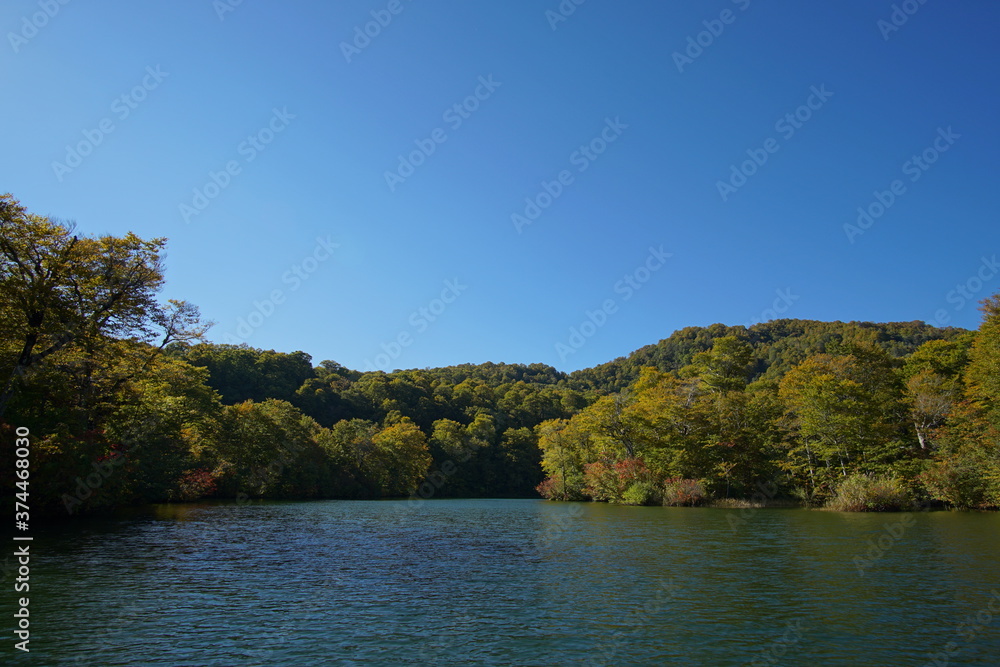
128 403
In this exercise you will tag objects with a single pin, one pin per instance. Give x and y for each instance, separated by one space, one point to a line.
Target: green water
512 582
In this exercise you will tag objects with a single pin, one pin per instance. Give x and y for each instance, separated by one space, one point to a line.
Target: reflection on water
513 582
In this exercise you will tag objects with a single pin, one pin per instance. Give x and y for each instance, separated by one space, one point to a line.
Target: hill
778 346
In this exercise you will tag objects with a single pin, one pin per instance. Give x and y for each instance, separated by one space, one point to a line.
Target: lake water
512 582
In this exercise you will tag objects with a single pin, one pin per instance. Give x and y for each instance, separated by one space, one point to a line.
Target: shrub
194 484
610 483
679 492
957 483
601 482
555 488
547 489
738 503
859 493
640 493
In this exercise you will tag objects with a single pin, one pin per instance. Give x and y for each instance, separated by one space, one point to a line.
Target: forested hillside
127 403
778 346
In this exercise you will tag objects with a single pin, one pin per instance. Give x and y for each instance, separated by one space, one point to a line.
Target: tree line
128 403
852 427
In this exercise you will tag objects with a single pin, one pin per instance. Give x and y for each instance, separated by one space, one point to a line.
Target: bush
957 483
807 496
738 504
602 482
548 489
555 488
611 483
640 493
859 493
680 492
194 484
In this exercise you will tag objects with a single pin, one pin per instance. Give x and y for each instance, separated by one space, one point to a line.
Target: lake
513 582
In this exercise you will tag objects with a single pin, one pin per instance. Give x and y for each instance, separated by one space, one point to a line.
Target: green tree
727 366
242 373
839 412
566 448
931 398
59 289
966 472
267 449
399 460
984 359
521 465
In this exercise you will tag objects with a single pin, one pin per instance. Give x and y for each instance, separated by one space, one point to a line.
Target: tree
840 412
669 416
743 440
984 358
350 443
967 470
400 459
241 373
156 424
931 399
934 383
726 367
58 289
469 449
947 358
613 424
521 461
266 449
566 447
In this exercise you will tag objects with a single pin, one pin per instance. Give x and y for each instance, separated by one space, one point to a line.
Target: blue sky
257 138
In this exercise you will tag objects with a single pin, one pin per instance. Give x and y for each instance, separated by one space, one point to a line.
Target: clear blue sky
677 126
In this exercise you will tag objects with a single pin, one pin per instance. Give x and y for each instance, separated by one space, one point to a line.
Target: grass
743 503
